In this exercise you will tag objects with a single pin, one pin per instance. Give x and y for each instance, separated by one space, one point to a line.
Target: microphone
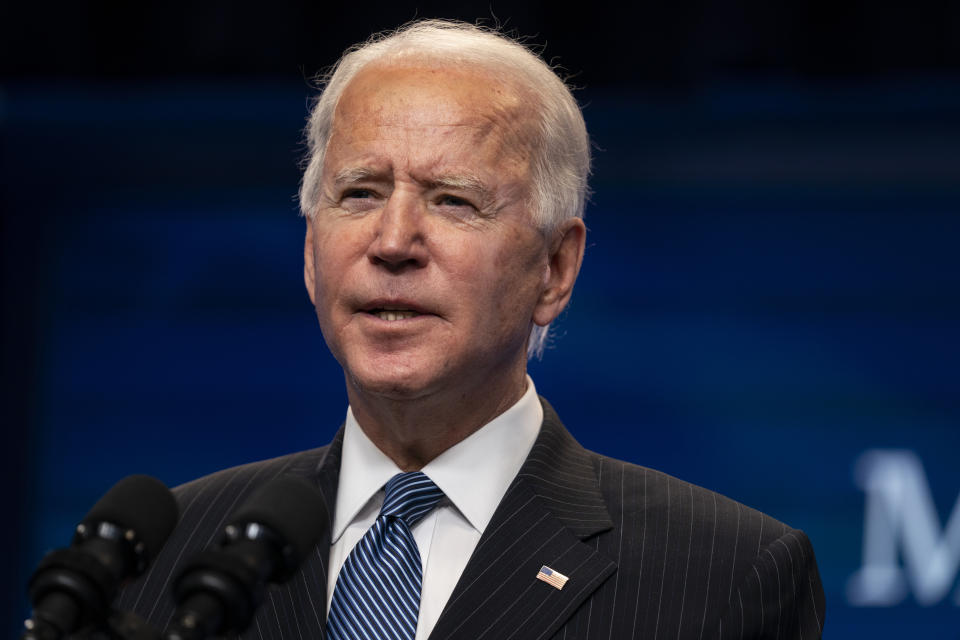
218 590
72 588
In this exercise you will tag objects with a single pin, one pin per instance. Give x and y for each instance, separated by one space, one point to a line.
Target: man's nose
400 242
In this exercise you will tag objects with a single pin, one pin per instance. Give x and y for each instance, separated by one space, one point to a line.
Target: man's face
422 260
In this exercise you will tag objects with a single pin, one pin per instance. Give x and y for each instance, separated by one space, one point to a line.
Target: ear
308 266
566 255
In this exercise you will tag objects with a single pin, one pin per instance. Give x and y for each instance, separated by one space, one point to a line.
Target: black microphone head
292 508
141 503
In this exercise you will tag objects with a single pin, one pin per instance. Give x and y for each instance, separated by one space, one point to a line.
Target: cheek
513 279
331 262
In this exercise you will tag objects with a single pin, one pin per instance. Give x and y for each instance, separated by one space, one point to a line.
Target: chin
392 380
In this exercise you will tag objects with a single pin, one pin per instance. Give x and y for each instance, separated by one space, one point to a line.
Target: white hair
560 158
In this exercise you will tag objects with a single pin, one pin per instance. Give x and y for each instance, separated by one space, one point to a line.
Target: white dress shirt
473 474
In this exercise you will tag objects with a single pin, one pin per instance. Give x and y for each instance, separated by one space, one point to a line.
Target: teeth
392 314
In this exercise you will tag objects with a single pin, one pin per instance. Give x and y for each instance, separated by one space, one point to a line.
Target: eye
359 199
447 200
357 194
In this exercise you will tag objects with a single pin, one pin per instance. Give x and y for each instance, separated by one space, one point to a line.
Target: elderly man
443 203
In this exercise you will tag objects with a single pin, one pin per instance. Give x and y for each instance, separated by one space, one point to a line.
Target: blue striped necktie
377 596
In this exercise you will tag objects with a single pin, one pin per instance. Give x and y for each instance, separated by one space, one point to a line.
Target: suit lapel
552 507
308 590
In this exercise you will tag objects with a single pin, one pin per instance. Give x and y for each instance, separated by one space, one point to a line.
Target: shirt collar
474 474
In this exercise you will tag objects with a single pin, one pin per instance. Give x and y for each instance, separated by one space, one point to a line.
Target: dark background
770 286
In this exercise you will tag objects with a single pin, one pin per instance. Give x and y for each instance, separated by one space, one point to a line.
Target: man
443 202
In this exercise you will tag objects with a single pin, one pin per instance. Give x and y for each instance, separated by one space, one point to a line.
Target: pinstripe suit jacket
647 556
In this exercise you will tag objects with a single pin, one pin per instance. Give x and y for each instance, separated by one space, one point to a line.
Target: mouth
392 315
393 310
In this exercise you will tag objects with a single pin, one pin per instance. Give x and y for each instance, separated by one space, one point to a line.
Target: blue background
769 290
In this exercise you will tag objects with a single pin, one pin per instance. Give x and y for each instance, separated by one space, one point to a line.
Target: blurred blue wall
769 293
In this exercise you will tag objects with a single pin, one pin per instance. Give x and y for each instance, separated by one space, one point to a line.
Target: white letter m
900 513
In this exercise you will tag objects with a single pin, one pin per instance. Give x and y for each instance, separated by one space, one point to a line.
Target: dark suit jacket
647 556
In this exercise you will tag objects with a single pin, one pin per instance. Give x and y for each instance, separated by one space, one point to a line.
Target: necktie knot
410 496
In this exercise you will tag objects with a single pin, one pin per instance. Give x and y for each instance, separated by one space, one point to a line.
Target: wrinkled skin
421 259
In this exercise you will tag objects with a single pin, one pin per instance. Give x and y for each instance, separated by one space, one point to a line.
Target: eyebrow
485 196
466 182
350 175
458 181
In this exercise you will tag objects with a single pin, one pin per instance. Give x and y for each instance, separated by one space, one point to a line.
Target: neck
414 431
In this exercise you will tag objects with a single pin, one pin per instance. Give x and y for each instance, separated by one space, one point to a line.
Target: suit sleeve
780 596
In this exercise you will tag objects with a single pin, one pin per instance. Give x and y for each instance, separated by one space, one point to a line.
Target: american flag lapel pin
553 578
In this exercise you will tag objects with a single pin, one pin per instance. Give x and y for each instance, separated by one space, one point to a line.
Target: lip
394 304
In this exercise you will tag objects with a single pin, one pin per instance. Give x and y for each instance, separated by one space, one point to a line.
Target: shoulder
205 506
695 523
233 483
207 502
688 559
630 489
738 563
639 496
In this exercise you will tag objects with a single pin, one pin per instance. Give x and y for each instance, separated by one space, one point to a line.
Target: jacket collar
563 476
552 507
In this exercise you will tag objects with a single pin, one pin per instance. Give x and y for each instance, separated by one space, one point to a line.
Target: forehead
417 98
470 84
